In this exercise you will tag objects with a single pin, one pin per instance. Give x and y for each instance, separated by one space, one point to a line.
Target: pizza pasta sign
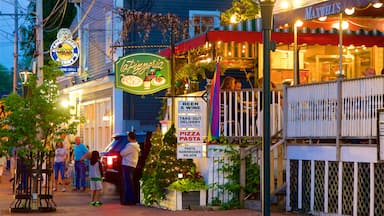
142 73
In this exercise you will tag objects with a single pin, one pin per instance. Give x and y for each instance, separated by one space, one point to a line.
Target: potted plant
190 190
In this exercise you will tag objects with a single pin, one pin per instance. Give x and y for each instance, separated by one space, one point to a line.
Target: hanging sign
64 50
142 73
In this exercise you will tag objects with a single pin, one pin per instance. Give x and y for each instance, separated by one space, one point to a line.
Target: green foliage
186 184
243 9
231 171
35 120
162 167
5 80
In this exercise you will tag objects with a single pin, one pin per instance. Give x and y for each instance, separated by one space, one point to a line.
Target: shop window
202 21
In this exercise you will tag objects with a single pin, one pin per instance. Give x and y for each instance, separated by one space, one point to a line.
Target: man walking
80 152
130 156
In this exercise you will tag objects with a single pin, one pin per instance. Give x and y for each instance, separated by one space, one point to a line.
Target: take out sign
189 136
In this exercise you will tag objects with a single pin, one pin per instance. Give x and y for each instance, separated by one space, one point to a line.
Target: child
95 175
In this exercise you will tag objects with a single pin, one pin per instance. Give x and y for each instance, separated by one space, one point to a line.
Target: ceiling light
323 18
298 23
377 5
349 11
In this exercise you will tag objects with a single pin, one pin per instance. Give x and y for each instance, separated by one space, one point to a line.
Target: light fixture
106 116
298 23
65 103
24 76
377 5
344 25
323 18
349 11
234 18
180 175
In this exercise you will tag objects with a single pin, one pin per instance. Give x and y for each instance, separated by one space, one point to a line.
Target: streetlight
296 66
266 7
24 77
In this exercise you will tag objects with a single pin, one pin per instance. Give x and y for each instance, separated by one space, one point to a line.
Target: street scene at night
232 107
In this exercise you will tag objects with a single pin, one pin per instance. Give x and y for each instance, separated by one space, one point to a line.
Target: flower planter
177 200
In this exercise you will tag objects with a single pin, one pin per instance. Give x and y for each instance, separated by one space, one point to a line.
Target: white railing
241 113
312 109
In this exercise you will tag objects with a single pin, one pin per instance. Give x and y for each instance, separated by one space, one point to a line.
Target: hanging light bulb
377 5
349 11
323 18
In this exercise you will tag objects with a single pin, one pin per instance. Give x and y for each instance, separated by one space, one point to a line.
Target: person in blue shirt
80 152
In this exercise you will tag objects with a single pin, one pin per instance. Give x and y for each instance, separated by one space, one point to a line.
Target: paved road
76 203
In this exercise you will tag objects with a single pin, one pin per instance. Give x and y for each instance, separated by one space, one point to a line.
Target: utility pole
39 41
15 49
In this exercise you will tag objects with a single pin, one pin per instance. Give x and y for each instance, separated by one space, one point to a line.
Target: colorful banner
142 73
214 106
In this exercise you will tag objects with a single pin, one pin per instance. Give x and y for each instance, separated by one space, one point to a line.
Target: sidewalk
76 203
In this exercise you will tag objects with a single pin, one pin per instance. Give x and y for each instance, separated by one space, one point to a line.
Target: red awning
278 37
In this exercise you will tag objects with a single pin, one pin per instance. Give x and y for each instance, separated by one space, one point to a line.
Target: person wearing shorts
96 178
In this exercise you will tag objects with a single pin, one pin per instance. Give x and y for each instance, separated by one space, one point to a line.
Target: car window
116 145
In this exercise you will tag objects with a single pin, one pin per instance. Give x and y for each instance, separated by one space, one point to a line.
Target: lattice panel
347 188
294 166
306 192
363 189
319 186
379 189
333 186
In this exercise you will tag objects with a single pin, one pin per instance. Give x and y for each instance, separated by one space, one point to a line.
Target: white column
340 189
355 186
288 183
300 185
118 122
326 187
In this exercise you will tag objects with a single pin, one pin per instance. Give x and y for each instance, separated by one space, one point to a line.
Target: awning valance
278 37
325 8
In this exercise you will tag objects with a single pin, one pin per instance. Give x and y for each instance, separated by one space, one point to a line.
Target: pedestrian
3 164
59 164
96 176
80 154
130 157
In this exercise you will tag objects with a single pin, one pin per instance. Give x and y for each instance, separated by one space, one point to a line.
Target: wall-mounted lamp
106 117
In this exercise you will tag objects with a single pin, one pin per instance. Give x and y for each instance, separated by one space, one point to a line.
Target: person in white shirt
59 165
130 157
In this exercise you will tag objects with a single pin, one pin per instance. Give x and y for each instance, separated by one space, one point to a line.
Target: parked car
111 158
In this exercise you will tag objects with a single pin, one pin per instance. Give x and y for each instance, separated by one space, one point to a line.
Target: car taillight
111 159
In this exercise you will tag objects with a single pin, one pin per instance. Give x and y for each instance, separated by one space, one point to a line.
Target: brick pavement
76 203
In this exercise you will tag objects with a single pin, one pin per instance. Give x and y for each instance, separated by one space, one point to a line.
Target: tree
162 167
36 120
241 10
5 81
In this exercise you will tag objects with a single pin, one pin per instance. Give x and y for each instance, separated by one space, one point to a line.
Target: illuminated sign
64 50
142 73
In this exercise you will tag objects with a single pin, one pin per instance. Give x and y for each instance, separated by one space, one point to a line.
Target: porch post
339 90
266 8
